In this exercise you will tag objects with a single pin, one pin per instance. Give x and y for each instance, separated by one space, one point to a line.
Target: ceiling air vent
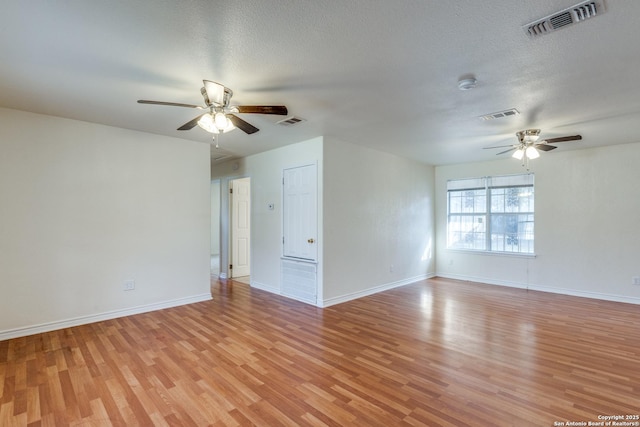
290 121
222 157
572 15
500 114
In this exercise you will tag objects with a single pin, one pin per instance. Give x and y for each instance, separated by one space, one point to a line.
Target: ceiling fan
528 145
221 117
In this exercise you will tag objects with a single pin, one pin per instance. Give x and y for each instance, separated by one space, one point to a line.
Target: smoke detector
569 16
467 83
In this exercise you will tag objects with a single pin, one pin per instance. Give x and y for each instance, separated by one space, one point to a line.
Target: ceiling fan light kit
531 152
215 125
518 154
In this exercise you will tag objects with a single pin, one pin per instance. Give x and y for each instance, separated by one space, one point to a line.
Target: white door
300 212
240 227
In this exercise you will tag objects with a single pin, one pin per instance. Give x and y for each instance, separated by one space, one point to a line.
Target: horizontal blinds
490 181
466 184
511 180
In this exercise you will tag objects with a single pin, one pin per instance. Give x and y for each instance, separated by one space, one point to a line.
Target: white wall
265 171
85 207
586 225
378 221
376 210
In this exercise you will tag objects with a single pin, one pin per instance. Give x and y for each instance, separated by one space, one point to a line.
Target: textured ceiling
377 73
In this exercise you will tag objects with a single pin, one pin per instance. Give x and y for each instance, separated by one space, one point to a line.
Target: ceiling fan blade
191 124
500 146
171 104
545 147
246 127
564 139
506 151
279 110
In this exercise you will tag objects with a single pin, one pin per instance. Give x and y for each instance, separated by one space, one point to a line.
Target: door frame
216 210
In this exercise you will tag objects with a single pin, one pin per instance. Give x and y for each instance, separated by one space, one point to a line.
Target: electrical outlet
129 285
635 280
391 268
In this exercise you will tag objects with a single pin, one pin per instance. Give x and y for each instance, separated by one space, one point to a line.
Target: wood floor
437 352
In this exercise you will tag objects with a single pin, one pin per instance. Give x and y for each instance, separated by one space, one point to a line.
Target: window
492 214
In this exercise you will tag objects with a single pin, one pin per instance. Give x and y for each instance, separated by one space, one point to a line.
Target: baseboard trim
276 291
299 299
370 291
550 289
486 281
83 320
265 287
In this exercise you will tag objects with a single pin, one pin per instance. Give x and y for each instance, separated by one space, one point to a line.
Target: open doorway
215 228
240 229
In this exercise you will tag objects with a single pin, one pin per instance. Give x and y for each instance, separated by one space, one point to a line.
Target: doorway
240 227
215 228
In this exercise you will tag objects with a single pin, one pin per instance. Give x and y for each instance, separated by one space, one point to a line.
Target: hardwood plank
33 405
436 352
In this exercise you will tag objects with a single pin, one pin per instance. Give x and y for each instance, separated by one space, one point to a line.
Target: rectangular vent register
569 16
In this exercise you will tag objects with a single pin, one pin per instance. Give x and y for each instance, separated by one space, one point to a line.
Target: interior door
300 212
240 227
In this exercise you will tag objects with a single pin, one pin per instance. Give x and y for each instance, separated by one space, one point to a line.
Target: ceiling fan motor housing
215 94
528 136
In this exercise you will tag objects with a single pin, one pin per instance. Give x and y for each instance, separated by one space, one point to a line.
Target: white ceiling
377 73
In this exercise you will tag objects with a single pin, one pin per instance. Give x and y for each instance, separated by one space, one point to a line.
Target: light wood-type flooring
435 353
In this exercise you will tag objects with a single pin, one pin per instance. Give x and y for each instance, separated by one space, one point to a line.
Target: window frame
487 215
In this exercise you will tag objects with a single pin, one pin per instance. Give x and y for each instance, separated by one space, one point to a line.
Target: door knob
310 240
